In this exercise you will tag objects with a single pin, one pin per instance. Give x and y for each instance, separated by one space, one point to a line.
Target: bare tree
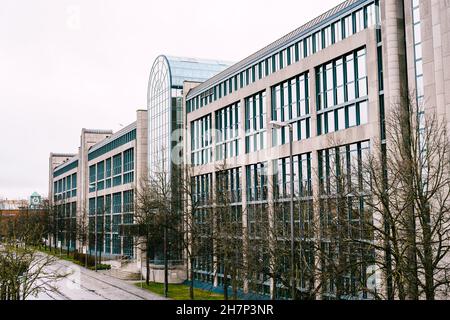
227 233
24 271
82 233
197 222
149 221
158 214
410 201
343 243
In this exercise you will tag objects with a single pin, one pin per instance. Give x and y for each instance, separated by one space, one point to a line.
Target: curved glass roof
197 70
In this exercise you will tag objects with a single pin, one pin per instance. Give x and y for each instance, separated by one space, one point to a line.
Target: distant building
13 204
14 207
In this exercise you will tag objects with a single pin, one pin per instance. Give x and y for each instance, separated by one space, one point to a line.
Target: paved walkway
84 284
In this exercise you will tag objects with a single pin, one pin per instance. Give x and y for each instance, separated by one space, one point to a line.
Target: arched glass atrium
165 120
165 108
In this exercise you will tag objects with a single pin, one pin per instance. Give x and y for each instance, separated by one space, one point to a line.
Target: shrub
101 267
80 257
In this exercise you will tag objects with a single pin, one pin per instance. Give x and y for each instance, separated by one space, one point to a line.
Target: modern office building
333 80
97 185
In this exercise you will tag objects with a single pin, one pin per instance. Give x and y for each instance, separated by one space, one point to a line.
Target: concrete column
394 52
140 163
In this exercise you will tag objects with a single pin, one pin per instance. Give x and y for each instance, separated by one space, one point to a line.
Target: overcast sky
68 65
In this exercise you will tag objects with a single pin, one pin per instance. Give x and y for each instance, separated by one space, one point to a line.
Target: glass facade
302 177
159 114
165 119
228 122
290 103
418 65
65 169
256 175
341 102
342 93
343 212
165 105
114 144
201 141
66 221
309 42
114 171
255 122
302 214
65 188
113 208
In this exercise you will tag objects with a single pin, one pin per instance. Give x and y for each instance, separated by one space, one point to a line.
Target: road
84 284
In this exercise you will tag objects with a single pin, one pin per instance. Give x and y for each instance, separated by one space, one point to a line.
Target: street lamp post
95 225
280 125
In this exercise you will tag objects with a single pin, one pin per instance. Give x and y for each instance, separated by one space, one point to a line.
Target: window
342 89
337 31
290 102
308 46
120 141
128 203
256 182
117 164
128 159
201 141
92 178
301 49
108 167
363 112
371 15
228 184
117 202
101 170
350 77
361 73
201 187
302 177
255 126
327 37
351 116
227 131
341 161
359 20
348 26
317 41
339 71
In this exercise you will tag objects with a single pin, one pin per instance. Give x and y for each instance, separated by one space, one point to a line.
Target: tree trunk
147 261
166 266
428 255
234 285
225 284
85 257
68 240
407 133
191 285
